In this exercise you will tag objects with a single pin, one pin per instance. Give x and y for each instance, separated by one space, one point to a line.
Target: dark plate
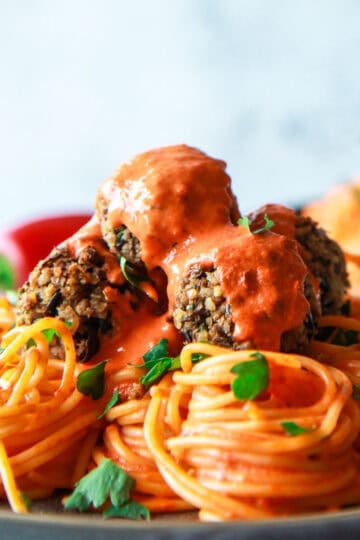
45 523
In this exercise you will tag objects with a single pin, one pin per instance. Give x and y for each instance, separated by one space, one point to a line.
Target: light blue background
271 86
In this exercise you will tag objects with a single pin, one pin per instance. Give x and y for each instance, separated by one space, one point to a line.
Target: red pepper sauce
177 201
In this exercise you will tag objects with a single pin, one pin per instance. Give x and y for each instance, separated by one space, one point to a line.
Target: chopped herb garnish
115 398
7 276
130 273
245 222
253 377
91 382
107 481
49 334
356 392
129 510
137 280
294 429
157 362
156 352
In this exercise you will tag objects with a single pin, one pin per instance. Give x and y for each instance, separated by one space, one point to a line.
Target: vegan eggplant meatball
245 298
74 289
202 313
321 254
159 199
326 261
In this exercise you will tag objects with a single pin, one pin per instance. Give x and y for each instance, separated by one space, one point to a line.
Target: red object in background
27 243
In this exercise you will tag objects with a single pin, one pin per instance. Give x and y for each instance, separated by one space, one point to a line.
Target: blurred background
271 86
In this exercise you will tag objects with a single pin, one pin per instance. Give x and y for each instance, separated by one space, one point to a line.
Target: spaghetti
44 420
104 387
189 442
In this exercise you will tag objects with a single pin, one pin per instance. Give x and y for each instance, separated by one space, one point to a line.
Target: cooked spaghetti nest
231 458
189 442
44 420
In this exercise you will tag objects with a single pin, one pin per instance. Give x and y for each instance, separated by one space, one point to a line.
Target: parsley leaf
253 377
107 480
294 429
7 277
158 369
130 273
49 334
157 362
158 351
245 222
91 382
115 398
130 510
137 280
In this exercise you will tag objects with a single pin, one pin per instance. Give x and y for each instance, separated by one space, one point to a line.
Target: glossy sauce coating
166 195
178 203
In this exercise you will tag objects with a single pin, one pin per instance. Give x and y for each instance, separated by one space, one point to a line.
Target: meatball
72 289
119 240
202 313
321 254
326 262
161 198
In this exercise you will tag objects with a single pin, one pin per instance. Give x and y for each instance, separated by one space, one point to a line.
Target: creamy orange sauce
177 201
166 195
144 332
262 279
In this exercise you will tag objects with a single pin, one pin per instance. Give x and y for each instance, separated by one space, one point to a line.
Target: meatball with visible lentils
322 255
202 313
326 261
72 289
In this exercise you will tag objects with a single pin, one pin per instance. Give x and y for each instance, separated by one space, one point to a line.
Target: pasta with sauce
205 354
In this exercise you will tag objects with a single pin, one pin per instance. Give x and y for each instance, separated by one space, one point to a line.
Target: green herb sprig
157 362
107 481
49 334
293 429
252 379
114 400
130 273
245 222
91 382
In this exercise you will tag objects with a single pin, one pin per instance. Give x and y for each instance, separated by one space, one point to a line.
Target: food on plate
164 197
173 354
251 293
73 287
